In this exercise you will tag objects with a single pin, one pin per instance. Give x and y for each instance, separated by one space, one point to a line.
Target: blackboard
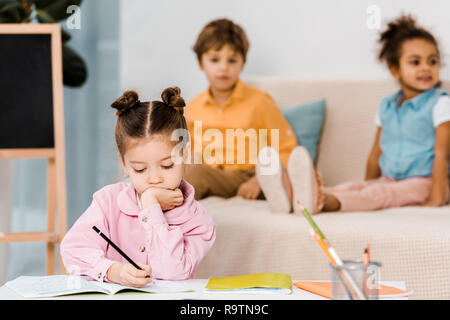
26 91
32 119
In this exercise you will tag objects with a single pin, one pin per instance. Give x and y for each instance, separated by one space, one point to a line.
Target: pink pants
381 193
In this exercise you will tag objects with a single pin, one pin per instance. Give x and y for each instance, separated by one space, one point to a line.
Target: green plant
48 11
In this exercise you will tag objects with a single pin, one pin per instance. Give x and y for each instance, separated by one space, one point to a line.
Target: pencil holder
352 276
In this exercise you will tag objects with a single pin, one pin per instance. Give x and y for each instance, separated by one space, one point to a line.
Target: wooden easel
56 176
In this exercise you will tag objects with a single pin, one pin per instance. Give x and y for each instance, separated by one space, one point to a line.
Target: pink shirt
172 242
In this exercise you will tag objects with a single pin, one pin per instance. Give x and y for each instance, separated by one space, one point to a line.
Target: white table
198 294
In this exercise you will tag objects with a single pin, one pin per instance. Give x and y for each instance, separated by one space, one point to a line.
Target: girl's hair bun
404 22
400 26
125 102
172 97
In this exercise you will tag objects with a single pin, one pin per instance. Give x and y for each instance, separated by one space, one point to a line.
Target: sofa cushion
306 120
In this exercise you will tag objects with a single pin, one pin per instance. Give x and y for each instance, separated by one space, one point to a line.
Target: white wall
293 38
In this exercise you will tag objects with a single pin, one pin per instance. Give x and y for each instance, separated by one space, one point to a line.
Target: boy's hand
168 199
250 189
127 275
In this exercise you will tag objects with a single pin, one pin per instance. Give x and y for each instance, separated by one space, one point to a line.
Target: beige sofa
412 243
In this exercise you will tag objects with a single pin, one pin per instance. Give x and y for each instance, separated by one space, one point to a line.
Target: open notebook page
157 286
58 285
52 286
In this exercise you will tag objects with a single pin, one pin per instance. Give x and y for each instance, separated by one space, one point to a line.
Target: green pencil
311 221
333 253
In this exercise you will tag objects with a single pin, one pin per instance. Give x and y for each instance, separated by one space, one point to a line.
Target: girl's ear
395 72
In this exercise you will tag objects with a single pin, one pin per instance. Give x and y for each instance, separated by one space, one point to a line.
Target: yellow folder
251 283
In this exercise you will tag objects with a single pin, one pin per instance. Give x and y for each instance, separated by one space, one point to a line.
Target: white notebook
59 285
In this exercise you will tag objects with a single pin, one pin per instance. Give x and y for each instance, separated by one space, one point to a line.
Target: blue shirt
408 134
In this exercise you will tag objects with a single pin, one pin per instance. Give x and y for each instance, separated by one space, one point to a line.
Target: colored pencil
332 253
367 255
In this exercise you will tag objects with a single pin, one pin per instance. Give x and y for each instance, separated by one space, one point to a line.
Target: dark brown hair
138 119
397 32
218 33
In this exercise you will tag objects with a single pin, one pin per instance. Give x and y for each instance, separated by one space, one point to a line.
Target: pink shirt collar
127 203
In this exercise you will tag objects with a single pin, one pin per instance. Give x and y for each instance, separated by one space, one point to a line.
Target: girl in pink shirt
154 219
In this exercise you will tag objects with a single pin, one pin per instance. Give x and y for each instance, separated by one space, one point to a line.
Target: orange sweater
231 135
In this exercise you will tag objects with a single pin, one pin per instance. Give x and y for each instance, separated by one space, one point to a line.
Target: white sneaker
303 179
269 171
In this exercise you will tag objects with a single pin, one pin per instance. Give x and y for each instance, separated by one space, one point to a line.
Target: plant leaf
6 5
42 4
57 9
43 17
74 68
65 36
11 11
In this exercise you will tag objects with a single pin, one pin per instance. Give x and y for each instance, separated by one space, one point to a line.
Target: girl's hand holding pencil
127 275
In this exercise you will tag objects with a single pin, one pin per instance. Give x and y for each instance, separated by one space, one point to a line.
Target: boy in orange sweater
228 114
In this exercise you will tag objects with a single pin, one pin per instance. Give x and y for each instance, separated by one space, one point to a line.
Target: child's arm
82 250
373 170
176 250
439 177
